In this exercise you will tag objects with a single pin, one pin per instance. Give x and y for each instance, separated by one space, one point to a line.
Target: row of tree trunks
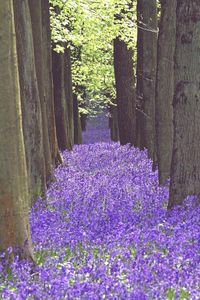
167 73
136 119
177 83
30 100
30 111
63 98
14 192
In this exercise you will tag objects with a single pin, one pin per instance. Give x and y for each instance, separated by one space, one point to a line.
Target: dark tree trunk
77 123
125 90
83 121
113 123
69 93
60 103
165 88
146 74
30 100
185 170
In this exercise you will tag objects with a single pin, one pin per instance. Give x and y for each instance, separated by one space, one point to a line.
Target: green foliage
96 252
40 256
89 28
132 250
183 295
170 294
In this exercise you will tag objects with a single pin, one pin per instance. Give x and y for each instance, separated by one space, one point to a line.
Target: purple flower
105 232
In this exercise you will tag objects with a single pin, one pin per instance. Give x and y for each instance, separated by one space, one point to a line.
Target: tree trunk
14 196
114 129
146 74
31 110
36 19
60 103
125 90
48 82
139 84
69 93
77 123
83 121
165 87
185 170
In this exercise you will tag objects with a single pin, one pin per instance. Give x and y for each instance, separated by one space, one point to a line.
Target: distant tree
14 195
125 91
69 93
83 109
185 170
114 128
146 74
165 88
63 90
83 121
77 122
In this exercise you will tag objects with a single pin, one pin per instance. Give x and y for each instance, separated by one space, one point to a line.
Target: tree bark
60 103
14 196
114 128
77 123
83 121
139 83
165 88
185 170
48 82
69 93
146 74
30 101
36 19
125 90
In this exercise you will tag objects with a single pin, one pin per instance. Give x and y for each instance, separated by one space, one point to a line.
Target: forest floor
106 233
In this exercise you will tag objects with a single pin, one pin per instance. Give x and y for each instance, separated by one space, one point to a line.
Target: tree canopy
89 28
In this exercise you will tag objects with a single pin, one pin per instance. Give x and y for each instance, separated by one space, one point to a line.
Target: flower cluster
105 233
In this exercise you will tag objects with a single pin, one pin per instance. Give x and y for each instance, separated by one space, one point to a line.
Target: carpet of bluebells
105 232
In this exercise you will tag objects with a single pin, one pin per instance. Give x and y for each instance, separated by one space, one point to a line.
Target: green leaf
184 295
170 294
